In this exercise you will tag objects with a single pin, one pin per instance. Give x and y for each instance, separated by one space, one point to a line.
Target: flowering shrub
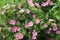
30 20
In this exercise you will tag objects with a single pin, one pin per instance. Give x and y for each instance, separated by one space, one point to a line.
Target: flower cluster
29 20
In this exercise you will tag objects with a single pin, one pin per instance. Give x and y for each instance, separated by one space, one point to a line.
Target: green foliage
42 13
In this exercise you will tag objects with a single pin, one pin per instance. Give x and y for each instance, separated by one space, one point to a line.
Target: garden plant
29 19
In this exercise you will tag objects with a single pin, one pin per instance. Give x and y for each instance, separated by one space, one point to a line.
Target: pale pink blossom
26 25
44 4
54 24
3 12
34 15
14 29
19 6
34 33
9 28
54 28
58 32
51 20
29 1
28 11
45 25
15 39
51 3
37 5
47 2
19 36
12 22
32 4
37 21
21 11
30 23
33 37
18 28
48 31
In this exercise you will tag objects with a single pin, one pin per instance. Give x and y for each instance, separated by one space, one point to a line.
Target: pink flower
48 31
27 11
12 22
34 16
21 11
44 4
19 6
54 24
18 28
32 4
34 33
15 39
9 28
34 37
50 20
14 29
30 23
54 28
3 12
29 1
37 21
27 26
37 5
45 25
50 3
47 2
19 36
58 32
